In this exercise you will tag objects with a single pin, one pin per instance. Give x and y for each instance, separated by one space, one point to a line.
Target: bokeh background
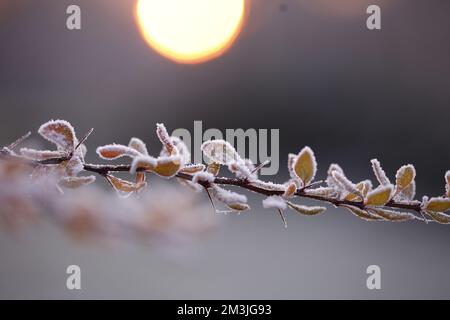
309 68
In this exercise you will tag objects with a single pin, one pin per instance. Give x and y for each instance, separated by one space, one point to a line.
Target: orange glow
190 31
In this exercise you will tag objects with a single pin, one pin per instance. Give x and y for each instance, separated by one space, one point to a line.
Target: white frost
274 202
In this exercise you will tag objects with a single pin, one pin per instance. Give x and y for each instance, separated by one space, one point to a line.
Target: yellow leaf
438 204
309 211
363 187
439 217
213 168
305 165
146 163
167 167
404 177
193 168
380 196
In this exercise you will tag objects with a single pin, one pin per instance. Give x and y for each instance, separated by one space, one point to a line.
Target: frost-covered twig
386 201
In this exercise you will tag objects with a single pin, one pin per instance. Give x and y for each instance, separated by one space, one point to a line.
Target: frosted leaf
305 166
290 165
74 166
238 206
165 139
240 170
437 204
439 217
309 211
203 176
213 168
407 194
363 187
193 168
194 186
274 202
220 151
392 215
115 151
138 145
146 163
447 185
167 167
182 148
363 214
379 172
226 196
379 196
331 181
42 154
140 178
404 177
327 192
346 184
59 132
76 182
291 188
81 151
123 187
270 186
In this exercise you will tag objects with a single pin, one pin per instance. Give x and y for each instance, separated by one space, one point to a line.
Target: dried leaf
437 204
408 193
76 182
73 166
379 173
309 211
392 215
226 196
239 206
138 145
380 196
140 178
213 168
125 188
42 154
439 217
203 176
305 165
115 151
59 132
363 214
193 168
220 151
346 184
291 188
404 177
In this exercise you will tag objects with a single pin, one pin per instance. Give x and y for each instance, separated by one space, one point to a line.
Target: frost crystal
274 202
379 172
228 197
203 176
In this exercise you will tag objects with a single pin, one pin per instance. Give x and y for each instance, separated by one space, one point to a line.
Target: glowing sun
190 31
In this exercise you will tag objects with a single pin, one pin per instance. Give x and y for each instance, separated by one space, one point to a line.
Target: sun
190 31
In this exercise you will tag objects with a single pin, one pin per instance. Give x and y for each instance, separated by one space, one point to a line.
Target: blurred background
310 68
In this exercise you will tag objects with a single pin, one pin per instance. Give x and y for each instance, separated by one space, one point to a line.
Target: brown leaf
59 132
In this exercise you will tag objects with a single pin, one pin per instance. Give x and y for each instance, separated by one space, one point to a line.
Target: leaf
439 217
331 181
193 168
145 163
165 139
226 196
239 206
291 188
438 204
362 213
73 166
42 154
167 166
363 187
392 215
380 196
408 193
115 151
124 187
346 184
140 178
404 177
379 172
305 165
309 211
76 182
213 168
220 151
290 165
59 132
138 145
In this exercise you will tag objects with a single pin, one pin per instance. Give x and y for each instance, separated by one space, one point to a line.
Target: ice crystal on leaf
274 202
